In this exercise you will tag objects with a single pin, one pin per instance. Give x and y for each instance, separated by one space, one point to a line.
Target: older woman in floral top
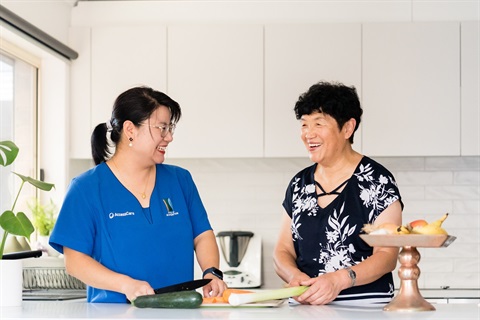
328 203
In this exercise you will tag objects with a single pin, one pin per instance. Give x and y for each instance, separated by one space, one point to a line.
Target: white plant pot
11 283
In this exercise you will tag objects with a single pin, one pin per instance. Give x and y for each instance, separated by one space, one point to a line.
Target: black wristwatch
217 273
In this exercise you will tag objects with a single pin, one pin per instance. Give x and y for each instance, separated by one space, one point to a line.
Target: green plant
43 216
16 223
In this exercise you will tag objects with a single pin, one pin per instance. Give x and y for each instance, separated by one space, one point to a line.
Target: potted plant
44 218
18 224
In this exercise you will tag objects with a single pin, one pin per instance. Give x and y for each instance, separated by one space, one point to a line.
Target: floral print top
327 239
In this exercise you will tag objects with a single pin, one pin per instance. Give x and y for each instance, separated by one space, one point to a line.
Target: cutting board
263 304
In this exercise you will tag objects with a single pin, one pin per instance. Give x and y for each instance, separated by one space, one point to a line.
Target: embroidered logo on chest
112 215
169 206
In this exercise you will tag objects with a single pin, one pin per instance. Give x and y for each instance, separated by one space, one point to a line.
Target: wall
246 194
52 17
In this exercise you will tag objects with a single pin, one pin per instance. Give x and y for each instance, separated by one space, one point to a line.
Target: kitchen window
18 122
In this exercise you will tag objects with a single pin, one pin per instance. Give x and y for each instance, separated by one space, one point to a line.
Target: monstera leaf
8 152
18 225
45 186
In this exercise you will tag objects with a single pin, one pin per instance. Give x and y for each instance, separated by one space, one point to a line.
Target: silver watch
352 275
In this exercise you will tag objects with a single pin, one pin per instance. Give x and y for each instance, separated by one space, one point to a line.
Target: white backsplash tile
467 206
452 163
452 192
425 209
452 279
412 193
247 194
415 178
467 178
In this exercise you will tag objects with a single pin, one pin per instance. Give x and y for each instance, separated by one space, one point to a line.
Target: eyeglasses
164 129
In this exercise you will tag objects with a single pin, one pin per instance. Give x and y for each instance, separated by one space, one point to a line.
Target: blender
240 258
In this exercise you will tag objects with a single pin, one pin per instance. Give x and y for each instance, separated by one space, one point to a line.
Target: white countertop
79 309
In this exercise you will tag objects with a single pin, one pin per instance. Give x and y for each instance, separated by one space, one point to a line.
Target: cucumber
179 300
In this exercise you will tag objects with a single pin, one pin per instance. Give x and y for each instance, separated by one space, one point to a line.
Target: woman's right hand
134 288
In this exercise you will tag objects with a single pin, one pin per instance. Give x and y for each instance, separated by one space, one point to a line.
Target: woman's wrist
352 277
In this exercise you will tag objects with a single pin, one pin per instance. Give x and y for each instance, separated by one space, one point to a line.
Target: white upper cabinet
411 89
296 57
237 84
470 88
124 57
215 73
80 128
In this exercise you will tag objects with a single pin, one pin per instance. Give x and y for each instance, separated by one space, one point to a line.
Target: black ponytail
100 146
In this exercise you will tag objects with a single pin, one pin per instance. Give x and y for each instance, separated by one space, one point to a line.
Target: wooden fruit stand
409 297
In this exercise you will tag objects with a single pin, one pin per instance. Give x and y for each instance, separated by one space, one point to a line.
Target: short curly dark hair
331 98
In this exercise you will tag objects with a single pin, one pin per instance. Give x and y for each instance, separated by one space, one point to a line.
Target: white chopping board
263 304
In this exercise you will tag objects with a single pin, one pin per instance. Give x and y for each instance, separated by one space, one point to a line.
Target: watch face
217 273
352 274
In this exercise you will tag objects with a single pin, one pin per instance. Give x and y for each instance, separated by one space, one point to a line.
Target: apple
418 223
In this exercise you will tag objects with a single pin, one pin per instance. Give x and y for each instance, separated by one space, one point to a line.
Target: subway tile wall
246 194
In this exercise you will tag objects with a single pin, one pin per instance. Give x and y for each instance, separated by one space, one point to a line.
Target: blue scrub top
101 218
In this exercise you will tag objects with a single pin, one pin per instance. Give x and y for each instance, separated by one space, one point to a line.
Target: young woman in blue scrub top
132 223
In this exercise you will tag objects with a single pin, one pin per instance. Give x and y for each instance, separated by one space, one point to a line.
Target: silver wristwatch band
352 275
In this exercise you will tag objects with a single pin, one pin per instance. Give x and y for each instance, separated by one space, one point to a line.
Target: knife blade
184 286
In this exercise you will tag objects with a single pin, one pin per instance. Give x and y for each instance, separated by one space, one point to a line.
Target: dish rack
48 273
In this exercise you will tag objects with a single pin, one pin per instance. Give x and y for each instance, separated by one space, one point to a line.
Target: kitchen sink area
53 294
45 279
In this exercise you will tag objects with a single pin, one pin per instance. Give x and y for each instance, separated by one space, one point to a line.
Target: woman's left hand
215 288
323 289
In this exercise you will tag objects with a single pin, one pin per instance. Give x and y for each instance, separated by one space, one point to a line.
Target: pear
431 228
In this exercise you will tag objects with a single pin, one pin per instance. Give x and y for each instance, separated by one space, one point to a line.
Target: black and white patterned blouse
327 239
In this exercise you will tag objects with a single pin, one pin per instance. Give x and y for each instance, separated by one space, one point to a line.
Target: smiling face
322 137
150 133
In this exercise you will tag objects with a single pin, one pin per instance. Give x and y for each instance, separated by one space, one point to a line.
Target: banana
419 227
431 228
402 230
439 222
385 228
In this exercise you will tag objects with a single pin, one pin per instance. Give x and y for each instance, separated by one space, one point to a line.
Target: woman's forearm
206 250
374 267
91 272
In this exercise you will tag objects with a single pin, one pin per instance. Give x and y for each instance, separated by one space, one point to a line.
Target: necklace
143 194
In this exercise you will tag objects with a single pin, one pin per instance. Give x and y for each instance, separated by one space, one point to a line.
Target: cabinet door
124 57
80 128
411 89
215 72
296 57
470 88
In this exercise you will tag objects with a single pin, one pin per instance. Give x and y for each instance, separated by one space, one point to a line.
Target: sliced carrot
212 300
226 294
